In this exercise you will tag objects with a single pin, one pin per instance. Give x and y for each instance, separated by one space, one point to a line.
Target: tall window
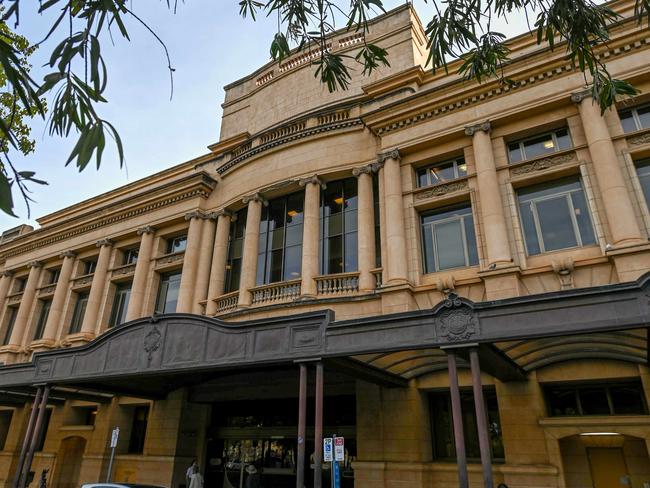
636 118
643 171
176 244
339 250
444 445
280 248
375 196
138 429
42 319
624 398
54 274
5 423
448 239
89 266
441 172
539 145
555 216
235 250
120 304
78 313
130 256
19 284
11 320
170 284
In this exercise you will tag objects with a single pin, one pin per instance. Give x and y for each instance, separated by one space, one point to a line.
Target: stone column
492 213
618 205
190 262
141 274
219 258
366 228
26 305
90 324
251 244
5 282
205 261
310 236
55 316
394 206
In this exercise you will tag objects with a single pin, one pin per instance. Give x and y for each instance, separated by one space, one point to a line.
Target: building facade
450 275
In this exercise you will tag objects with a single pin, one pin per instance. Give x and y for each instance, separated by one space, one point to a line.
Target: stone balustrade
337 284
276 292
227 302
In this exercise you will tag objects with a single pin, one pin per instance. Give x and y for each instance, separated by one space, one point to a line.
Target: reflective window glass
338 245
120 304
441 172
168 293
634 119
539 145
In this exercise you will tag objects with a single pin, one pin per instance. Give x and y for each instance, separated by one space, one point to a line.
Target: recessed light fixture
549 145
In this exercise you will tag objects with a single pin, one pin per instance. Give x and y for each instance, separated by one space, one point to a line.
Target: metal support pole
35 435
318 428
302 421
457 414
28 436
481 419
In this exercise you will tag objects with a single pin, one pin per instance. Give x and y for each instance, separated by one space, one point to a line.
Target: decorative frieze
486 126
85 280
129 269
47 290
170 258
15 298
639 140
542 164
443 189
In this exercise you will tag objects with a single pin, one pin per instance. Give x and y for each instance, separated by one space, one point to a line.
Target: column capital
104 242
470 130
392 154
68 254
35 264
223 212
255 197
7 273
314 179
196 214
578 97
363 170
147 229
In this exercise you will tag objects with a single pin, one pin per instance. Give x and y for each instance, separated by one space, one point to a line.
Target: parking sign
339 449
327 450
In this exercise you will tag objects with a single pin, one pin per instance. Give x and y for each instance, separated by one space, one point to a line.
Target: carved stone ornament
255 197
311 180
194 215
147 229
363 170
152 342
48 290
35 264
376 166
104 242
86 280
470 130
224 211
639 140
580 96
564 270
542 164
392 154
171 258
124 270
456 321
7 273
68 254
442 189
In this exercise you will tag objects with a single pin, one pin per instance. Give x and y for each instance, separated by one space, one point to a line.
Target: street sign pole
115 435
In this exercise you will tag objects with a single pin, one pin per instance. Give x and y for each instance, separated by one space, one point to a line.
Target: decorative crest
456 321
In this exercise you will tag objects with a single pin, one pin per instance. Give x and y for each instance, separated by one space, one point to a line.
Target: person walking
196 480
190 472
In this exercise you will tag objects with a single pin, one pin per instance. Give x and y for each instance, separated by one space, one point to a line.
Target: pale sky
210 46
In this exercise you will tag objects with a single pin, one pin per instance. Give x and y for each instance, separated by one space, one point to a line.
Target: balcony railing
227 302
276 292
337 284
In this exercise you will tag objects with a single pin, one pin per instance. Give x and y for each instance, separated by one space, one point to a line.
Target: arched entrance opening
68 465
604 460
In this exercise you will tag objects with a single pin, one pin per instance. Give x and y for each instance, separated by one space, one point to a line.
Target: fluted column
618 204
91 317
251 244
394 207
5 283
141 274
190 262
492 213
366 228
26 304
310 235
205 261
219 257
54 318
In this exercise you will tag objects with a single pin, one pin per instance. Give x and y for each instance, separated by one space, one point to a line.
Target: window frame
432 225
169 243
574 221
9 327
130 256
54 275
90 265
79 312
41 322
165 279
635 117
325 236
455 162
120 305
232 278
522 148
576 387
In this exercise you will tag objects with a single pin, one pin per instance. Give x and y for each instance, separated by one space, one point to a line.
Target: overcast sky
210 46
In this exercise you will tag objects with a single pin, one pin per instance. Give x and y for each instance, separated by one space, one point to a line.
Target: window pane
644 116
514 153
627 399
562 402
470 237
261 269
627 121
294 235
442 173
335 255
168 293
643 170
277 238
594 401
11 312
563 139
350 193
428 249
295 204
449 245
333 198
79 312
539 146
351 252
275 266
350 221
42 319
334 225
232 275
423 177
292 262
444 446
583 218
555 224
528 225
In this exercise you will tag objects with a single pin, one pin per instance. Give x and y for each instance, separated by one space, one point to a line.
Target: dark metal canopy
151 356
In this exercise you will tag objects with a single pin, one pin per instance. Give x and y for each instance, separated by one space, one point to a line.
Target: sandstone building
453 276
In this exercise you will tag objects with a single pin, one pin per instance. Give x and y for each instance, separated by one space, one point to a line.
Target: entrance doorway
68 463
259 438
608 467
